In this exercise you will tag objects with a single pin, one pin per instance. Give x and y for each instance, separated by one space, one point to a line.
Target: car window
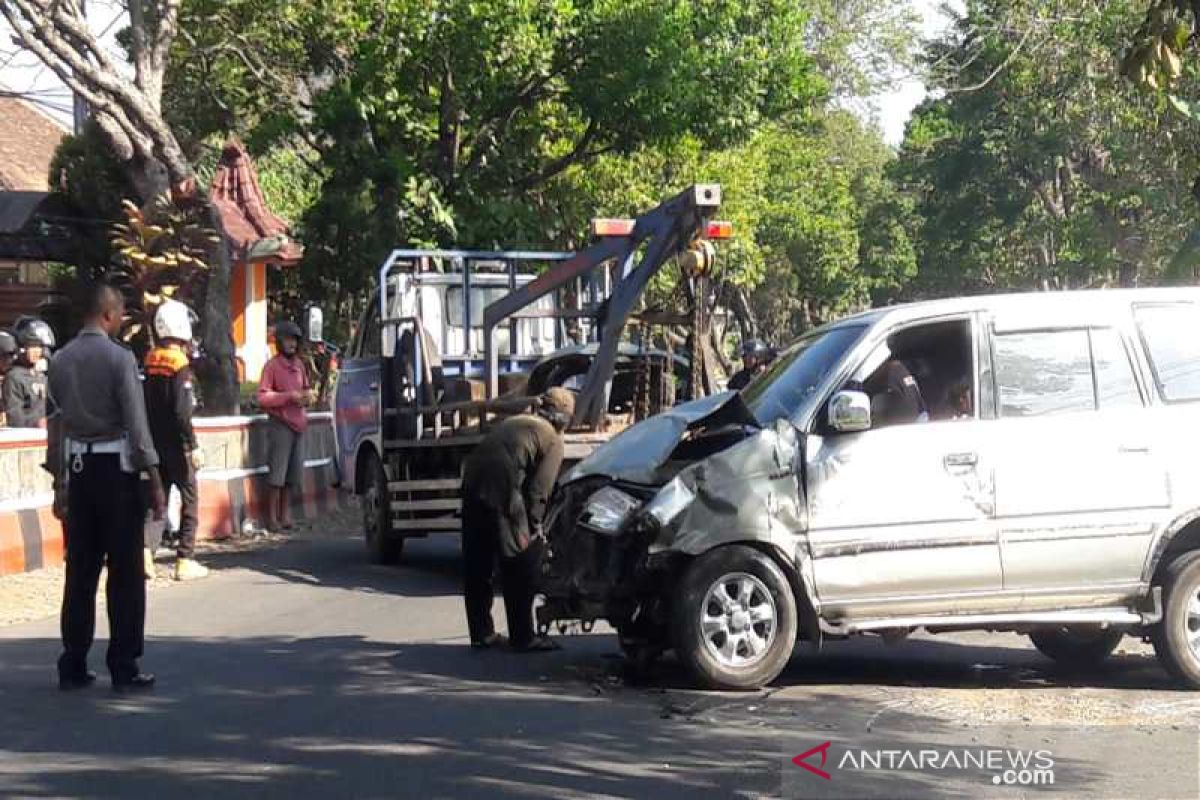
1171 334
1116 385
1043 373
794 377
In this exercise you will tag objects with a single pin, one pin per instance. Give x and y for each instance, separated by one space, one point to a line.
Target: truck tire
383 545
734 618
1177 636
1077 646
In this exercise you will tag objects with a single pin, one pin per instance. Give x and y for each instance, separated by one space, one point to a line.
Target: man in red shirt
283 392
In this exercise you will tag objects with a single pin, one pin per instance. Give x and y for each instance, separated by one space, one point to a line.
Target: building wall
232 485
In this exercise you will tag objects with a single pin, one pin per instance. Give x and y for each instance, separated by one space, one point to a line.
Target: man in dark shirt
25 387
753 362
507 481
98 442
170 400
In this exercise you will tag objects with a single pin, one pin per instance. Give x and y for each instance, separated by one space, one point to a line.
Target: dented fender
750 492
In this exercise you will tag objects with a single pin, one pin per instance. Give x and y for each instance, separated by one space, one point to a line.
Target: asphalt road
303 672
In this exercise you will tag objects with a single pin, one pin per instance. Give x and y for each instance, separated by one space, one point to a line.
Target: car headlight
669 502
607 510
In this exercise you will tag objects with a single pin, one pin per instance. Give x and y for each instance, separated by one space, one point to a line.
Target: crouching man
507 481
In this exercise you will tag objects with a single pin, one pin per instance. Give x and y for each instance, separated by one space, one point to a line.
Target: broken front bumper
589 575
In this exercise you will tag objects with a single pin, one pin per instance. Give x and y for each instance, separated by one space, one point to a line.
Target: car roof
1026 309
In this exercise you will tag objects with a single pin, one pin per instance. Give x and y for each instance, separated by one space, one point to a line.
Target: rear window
1171 334
1041 373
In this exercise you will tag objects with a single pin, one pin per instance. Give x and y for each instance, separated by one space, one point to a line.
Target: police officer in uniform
25 385
99 441
754 356
507 481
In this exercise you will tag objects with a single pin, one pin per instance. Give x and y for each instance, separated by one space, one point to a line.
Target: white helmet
173 320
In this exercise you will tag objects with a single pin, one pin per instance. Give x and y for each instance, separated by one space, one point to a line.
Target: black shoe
69 683
491 640
538 644
141 682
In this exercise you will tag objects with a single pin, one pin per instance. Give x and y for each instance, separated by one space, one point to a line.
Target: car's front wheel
734 618
383 546
1077 646
1177 636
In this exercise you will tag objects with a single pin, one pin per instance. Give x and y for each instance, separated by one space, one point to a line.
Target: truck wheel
1177 637
1077 646
734 619
383 546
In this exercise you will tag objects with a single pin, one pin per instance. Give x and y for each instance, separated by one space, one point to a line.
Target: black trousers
103 526
176 470
481 552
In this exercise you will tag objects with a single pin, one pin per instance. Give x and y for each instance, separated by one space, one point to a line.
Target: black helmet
288 328
8 344
33 332
754 347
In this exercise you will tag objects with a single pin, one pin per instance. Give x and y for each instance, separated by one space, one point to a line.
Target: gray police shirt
96 395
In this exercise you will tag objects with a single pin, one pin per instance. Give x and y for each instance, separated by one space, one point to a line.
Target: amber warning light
719 229
715 229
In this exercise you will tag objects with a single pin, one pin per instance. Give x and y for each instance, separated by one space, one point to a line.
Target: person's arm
541 483
183 403
132 400
268 397
14 401
55 454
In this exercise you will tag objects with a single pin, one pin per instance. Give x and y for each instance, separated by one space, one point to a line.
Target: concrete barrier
232 486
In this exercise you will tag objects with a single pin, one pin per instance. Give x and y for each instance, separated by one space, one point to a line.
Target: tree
129 112
435 122
1040 166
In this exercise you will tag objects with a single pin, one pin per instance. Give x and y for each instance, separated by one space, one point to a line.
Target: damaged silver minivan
1012 463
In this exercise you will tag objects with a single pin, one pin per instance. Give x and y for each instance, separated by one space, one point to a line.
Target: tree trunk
221 390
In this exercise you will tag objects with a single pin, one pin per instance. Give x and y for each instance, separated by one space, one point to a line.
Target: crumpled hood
637 453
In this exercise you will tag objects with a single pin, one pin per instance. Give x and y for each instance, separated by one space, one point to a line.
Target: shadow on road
431 567
343 716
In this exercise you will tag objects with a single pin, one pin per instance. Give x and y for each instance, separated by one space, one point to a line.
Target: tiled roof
239 199
28 139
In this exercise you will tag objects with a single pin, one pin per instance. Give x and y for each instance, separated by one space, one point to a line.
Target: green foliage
1043 167
391 123
85 171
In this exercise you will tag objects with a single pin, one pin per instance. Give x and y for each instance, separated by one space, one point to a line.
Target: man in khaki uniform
507 481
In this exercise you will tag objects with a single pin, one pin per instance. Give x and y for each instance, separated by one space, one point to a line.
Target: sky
896 106
22 72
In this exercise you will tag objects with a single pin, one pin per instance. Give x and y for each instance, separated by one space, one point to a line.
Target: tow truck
456 340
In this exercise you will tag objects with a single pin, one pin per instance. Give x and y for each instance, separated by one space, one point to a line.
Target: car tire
383 546
734 619
1077 646
1176 637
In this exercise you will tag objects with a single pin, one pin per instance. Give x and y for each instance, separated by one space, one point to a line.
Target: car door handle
373 386
960 460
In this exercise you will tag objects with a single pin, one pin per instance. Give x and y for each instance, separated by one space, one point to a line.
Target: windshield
795 376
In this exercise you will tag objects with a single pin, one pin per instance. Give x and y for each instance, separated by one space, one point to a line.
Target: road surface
303 672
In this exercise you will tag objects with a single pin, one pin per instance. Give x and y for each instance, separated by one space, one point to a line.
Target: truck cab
441 294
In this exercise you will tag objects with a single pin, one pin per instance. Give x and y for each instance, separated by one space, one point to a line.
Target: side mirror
850 412
316 324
